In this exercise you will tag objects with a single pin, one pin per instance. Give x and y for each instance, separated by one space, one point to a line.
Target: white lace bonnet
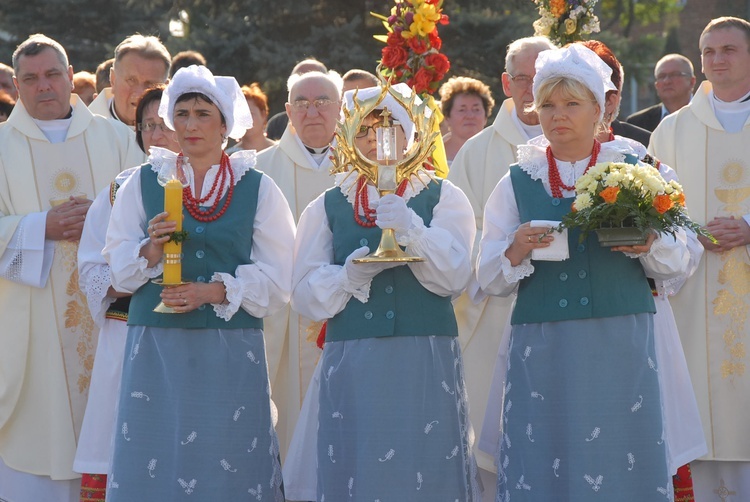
225 93
579 63
399 112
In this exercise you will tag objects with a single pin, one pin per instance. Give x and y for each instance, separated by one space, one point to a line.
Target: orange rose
609 194
679 199
662 203
557 7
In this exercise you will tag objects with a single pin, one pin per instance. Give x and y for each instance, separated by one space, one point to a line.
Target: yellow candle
172 250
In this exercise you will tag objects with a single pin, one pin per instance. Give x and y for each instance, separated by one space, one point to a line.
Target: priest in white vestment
55 155
300 165
476 169
706 142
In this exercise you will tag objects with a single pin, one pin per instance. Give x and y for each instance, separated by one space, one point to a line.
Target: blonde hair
568 87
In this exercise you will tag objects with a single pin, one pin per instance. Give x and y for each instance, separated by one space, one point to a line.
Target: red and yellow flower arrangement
412 52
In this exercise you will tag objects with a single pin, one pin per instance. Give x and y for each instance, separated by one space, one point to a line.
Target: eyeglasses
150 127
365 129
522 80
675 74
301 105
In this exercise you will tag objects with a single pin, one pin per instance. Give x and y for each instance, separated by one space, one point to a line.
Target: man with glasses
140 62
674 81
55 155
476 169
300 165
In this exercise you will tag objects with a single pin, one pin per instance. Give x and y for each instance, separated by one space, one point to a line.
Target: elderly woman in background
194 417
582 417
392 415
109 309
466 104
255 137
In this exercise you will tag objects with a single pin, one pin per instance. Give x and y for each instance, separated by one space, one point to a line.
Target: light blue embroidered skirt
582 414
393 422
194 420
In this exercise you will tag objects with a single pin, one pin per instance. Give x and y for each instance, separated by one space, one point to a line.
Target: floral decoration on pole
566 21
412 55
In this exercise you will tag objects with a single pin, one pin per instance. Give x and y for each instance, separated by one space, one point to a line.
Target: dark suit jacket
630 131
647 119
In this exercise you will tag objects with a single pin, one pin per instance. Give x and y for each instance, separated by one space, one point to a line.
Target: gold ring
529 237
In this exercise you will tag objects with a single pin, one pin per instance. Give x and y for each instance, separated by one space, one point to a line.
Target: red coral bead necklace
555 183
193 204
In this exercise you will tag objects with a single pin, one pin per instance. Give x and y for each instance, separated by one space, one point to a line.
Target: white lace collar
163 160
532 157
347 183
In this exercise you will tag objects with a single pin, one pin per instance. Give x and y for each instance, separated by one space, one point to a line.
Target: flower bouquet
412 55
565 21
412 51
613 196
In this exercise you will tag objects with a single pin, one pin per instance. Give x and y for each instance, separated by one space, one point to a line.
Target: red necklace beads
555 183
361 199
211 214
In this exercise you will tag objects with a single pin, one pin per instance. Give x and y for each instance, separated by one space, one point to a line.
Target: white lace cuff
342 282
514 274
142 263
234 296
415 232
96 285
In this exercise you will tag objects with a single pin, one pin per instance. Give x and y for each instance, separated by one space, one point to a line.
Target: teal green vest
217 246
398 305
594 282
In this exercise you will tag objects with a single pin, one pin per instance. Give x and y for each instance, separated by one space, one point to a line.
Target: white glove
361 274
392 212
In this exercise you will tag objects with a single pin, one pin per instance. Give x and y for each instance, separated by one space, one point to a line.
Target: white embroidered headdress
224 92
579 63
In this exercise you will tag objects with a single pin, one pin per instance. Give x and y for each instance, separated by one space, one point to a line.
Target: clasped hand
65 222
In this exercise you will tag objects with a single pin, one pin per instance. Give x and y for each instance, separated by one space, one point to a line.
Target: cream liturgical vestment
292 358
476 169
48 339
712 309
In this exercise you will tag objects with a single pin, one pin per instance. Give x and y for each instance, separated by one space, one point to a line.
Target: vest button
202 307
584 301
390 315
368 315
581 248
199 229
555 202
200 278
389 289
563 303
200 253
363 242
563 276
582 274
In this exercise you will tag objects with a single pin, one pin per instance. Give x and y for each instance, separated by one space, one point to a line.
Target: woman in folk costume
194 418
392 409
582 414
109 309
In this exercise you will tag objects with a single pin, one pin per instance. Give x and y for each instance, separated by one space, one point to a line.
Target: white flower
583 201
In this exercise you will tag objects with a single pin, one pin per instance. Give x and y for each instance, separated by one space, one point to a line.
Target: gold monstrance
388 172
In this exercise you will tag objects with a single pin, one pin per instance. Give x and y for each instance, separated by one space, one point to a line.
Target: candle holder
162 308
173 180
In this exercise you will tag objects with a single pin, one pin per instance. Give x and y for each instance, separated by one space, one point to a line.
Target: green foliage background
260 40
